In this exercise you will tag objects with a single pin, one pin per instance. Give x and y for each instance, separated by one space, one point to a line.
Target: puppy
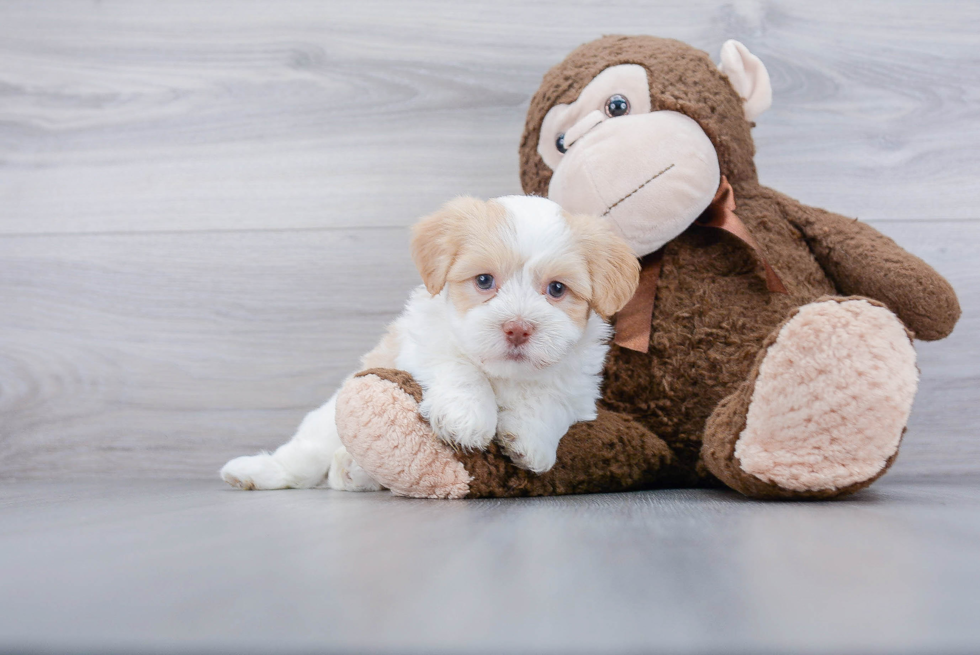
506 337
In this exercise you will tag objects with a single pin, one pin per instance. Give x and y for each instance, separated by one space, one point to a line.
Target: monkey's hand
862 261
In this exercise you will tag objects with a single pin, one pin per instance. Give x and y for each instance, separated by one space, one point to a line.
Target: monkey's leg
378 421
824 408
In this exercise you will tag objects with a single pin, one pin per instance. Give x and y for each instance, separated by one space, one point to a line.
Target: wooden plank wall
203 204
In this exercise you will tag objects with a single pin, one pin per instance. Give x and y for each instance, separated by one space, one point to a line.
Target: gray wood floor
203 212
196 567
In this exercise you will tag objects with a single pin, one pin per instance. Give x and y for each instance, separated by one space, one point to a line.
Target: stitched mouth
655 176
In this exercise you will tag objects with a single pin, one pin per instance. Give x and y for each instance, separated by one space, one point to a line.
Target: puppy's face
522 277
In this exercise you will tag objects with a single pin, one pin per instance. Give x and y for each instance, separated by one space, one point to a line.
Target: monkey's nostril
581 128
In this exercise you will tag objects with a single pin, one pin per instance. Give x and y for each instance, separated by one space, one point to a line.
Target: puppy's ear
614 268
436 240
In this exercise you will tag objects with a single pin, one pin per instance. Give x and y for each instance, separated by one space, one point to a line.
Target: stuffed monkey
769 346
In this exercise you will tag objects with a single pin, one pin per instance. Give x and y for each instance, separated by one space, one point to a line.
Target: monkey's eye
560 143
617 105
556 290
484 281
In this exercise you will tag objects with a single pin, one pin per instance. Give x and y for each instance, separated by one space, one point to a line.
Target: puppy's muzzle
518 331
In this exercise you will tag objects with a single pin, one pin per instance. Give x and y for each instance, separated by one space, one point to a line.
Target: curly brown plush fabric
682 79
620 455
673 416
404 380
612 452
714 317
729 418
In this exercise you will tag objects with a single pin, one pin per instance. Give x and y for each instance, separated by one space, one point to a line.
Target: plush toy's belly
712 314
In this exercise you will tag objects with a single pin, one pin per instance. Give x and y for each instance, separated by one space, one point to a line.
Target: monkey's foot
379 423
823 411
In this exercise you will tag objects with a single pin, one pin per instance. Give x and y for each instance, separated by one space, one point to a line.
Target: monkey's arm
862 261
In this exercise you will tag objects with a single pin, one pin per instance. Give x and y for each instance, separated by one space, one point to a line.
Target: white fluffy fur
473 389
472 394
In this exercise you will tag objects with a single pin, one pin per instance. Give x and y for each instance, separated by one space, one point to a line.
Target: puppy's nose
518 331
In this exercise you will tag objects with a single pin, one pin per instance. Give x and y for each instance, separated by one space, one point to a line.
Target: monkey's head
639 129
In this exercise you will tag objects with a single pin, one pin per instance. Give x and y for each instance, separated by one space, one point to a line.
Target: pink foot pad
379 423
832 398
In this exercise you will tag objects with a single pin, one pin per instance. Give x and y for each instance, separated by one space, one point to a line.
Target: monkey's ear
749 76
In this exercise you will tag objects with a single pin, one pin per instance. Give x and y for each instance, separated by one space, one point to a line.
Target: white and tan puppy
507 338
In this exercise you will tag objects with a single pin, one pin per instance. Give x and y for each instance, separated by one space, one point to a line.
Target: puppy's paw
529 444
528 454
260 471
347 475
459 419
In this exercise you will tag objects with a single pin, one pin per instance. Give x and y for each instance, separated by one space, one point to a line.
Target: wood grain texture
159 347
943 437
141 116
202 227
195 567
202 205
165 354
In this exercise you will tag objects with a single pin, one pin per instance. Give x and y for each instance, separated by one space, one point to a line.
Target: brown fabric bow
634 321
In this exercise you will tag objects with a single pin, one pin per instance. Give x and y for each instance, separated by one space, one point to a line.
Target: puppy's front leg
460 405
529 429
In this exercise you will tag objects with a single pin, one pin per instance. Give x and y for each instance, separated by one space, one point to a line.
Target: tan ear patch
464 295
574 273
480 249
438 238
577 309
614 269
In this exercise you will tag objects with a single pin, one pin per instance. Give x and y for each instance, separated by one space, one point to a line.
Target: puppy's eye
560 143
556 289
484 281
617 105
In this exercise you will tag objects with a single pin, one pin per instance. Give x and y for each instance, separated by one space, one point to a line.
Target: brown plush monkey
769 346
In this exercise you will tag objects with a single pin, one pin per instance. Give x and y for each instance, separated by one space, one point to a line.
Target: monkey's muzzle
650 175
